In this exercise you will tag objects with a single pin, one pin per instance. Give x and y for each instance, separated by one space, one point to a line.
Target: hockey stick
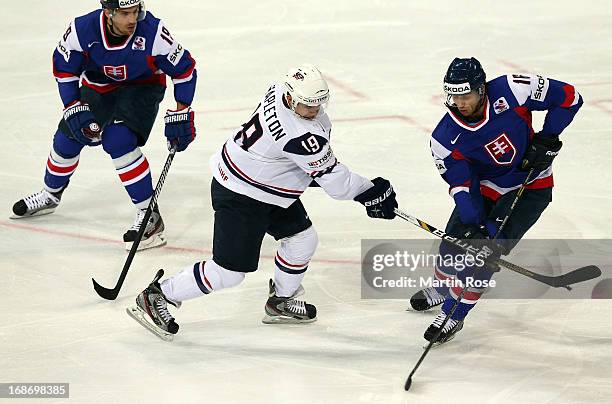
111 294
578 275
435 337
561 281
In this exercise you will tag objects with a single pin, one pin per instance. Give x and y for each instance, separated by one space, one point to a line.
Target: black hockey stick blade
111 294
408 383
108 294
578 275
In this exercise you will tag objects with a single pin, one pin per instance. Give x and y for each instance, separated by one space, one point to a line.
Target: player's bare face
306 111
467 103
124 20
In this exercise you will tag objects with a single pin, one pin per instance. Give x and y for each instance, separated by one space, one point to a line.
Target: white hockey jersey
276 154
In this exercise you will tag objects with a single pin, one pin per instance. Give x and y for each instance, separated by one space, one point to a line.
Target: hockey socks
199 279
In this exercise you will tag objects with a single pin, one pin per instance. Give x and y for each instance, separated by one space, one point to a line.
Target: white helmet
306 85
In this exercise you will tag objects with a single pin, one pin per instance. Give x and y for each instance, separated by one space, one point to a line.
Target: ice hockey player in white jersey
259 174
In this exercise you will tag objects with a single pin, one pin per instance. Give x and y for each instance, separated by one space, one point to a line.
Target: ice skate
154 232
37 204
151 310
451 328
426 299
288 310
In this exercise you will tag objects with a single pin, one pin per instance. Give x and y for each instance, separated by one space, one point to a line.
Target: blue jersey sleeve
176 61
68 64
457 172
561 100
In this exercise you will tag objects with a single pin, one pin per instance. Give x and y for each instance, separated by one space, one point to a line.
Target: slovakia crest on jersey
501 150
500 105
117 73
139 43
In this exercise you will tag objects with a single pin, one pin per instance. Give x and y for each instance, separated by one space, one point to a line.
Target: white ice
385 61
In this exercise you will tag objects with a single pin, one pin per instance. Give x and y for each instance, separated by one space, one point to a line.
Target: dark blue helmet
463 76
116 4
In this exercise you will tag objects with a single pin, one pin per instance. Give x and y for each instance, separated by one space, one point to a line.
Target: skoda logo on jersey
117 73
501 150
139 43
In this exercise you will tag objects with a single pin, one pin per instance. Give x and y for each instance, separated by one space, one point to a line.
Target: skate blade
436 344
140 316
285 320
39 213
157 240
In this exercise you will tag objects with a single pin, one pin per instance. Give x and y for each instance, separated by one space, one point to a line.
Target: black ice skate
451 328
153 235
37 204
151 310
426 299
283 310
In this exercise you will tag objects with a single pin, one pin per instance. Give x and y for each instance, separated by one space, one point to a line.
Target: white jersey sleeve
527 86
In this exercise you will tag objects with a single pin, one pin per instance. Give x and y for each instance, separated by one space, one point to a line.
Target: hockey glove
82 123
180 129
541 152
379 200
478 237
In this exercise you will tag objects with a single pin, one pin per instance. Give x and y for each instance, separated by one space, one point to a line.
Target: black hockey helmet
117 4
463 76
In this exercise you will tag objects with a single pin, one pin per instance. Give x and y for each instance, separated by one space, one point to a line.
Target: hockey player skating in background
120 56
259 174
484 148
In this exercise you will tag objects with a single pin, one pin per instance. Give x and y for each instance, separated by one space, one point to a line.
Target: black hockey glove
478 237
82 123
180 129
541 152
379 200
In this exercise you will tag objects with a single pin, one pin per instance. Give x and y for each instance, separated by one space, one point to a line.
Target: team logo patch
501 150
117 73
139 43
298 76
500 105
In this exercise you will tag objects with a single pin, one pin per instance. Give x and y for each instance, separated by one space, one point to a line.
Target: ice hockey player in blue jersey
260 173
110 66
484 148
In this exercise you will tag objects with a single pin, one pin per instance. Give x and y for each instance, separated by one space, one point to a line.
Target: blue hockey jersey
483 158
84 55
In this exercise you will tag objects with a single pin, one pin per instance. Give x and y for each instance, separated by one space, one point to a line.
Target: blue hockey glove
82 123
180 129
379 200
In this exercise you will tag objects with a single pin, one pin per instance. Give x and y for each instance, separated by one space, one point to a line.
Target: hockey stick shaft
575 276
435 337
111 294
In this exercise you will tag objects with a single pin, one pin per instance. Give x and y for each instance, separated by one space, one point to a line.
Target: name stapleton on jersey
275 127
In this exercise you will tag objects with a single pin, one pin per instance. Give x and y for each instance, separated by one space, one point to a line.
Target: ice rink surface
384 61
